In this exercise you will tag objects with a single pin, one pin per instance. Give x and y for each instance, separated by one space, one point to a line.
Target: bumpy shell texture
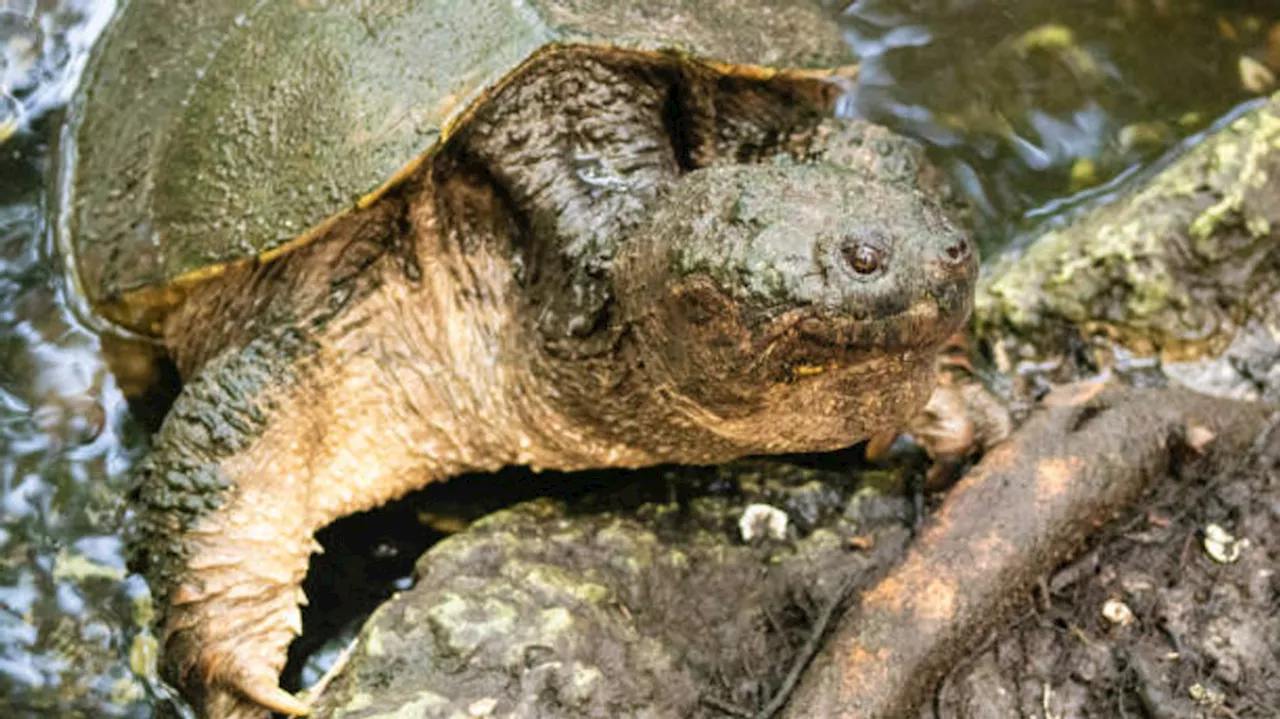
216 132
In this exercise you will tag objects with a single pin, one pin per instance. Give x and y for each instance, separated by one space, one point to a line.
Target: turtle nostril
863 258
957 250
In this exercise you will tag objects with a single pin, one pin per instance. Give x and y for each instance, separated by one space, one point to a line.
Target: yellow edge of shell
144 309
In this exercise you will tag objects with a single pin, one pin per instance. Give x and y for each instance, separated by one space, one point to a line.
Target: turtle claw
233 610
233 677
264 691
233 674
226 636
243 703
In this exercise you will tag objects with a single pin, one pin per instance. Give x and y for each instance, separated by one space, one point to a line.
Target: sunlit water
1032 105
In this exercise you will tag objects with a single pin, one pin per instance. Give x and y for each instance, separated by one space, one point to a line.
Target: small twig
961 666
777 627
1260 442
724 706
817 633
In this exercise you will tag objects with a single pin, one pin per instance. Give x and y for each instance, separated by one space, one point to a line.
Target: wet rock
1184 266
547 610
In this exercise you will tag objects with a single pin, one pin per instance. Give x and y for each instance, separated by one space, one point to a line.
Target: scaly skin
741 309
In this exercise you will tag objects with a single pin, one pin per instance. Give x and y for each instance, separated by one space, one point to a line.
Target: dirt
1204 638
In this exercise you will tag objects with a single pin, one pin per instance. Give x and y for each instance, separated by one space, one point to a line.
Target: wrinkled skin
568 283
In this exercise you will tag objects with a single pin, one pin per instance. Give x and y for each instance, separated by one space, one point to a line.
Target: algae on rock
1184 265
551 609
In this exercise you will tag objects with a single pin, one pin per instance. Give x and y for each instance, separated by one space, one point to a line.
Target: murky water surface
1034 105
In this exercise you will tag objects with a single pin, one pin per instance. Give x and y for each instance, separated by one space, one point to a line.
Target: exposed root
1026 508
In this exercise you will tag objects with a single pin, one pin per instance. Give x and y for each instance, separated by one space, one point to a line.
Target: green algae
1141 268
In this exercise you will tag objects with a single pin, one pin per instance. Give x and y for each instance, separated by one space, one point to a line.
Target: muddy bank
1173 612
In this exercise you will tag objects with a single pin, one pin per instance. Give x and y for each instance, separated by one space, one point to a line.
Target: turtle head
804 302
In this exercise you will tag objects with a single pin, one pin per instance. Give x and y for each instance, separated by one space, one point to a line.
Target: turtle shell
216 132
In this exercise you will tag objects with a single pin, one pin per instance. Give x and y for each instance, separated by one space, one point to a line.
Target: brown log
1025 509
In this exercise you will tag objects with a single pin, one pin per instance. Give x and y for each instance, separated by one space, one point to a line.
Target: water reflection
66 604
1027 101
1030 100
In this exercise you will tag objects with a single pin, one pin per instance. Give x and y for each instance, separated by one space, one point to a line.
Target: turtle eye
863 258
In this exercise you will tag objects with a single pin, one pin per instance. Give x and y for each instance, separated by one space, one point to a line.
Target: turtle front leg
235 610
223 546
264 446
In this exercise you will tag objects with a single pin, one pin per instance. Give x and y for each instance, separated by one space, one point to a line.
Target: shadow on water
1033 105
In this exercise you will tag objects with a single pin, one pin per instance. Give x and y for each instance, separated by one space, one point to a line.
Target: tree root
1025 509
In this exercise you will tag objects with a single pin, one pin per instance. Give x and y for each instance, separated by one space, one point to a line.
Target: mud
1203 637
1088 453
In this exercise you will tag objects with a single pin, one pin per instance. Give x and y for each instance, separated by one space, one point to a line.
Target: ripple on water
67 608
1029 101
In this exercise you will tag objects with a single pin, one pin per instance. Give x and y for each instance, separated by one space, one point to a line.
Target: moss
547 609
1138 268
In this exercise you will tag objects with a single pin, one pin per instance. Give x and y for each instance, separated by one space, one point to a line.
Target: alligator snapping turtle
388 243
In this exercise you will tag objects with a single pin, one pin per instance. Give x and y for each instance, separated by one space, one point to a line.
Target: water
67 608
1031 105
1033 101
